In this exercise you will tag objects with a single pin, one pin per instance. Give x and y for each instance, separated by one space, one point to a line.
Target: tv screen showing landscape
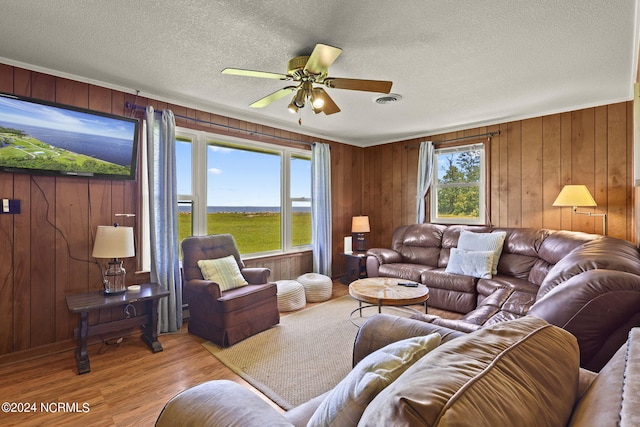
45 138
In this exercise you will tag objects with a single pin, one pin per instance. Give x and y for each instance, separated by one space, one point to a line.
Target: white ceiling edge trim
493 122
285 126
64 75
194 105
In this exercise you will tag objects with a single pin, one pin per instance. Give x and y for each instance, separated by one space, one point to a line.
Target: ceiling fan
309 71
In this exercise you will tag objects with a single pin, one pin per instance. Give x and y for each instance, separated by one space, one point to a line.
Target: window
458 192
259 193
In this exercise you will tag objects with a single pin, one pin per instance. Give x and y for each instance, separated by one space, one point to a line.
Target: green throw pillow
223 271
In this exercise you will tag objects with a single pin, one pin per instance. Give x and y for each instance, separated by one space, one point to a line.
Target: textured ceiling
456 64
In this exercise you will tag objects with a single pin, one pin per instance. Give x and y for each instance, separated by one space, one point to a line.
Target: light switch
10 206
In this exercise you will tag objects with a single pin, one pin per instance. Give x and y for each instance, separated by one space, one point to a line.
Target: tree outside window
458 194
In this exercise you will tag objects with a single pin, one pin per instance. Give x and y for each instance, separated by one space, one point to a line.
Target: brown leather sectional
518 373
587 284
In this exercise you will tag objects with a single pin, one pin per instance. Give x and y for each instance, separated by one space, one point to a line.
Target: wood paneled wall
47 248
284 267
529 163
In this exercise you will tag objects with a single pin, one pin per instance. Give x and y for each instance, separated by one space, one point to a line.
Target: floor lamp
579 195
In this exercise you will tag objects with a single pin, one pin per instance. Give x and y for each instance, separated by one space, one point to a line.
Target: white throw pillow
470 263
223 271
345 404
470 241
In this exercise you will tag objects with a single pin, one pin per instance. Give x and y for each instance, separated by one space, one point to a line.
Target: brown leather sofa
587 284
523 373
226 317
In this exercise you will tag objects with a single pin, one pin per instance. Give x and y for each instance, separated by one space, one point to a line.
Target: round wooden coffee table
387 291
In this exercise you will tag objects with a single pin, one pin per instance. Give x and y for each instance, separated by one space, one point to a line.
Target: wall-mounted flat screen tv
45 138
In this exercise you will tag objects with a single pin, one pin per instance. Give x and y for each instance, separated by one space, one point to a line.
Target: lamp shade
360 224
575 195
113 242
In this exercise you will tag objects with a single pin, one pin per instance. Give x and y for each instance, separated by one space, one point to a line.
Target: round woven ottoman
317 287
291 295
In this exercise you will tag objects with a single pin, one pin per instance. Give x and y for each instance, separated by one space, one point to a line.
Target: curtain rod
128 104
489 134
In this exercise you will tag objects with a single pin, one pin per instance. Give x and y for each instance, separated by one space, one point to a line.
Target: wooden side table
84 303
387 291
356 267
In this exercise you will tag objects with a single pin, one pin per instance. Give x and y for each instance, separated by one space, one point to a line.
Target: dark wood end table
84 303
356 267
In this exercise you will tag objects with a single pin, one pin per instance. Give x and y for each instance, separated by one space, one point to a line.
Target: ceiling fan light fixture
298 99
317 99
309 70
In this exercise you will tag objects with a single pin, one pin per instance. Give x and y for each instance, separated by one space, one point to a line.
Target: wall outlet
10 206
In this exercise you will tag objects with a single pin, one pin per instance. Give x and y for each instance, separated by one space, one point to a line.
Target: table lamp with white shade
114 242
359 226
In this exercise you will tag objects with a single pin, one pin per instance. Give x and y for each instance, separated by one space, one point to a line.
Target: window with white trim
458 190
260 193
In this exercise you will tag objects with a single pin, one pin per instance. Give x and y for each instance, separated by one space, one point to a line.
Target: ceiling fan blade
263 102
329 106
252 73
380 86
321 59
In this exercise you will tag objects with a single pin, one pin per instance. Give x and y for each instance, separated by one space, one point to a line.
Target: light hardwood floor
127 386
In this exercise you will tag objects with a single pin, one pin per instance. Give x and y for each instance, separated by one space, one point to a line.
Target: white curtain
163 217
425 172
321 207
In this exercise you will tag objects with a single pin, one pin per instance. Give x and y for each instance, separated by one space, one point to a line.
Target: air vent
389 98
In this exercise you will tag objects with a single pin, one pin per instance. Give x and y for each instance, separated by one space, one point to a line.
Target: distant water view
246 209
113 150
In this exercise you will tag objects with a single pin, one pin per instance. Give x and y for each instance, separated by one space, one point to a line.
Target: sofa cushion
487 287
523 372
438 278
223 271
418 243
493 242
219 403
520 252
471 263
403 271
613 398
345 403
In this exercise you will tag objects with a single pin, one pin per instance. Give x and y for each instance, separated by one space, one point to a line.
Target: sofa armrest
256 275
385 256
383 329
598 307
219 403
201 288
378 256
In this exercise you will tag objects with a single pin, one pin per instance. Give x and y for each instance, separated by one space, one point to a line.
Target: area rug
307 354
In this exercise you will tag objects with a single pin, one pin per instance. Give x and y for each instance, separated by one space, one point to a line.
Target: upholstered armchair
219 312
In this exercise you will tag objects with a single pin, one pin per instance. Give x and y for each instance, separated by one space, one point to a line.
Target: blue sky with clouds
243 178
40 115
